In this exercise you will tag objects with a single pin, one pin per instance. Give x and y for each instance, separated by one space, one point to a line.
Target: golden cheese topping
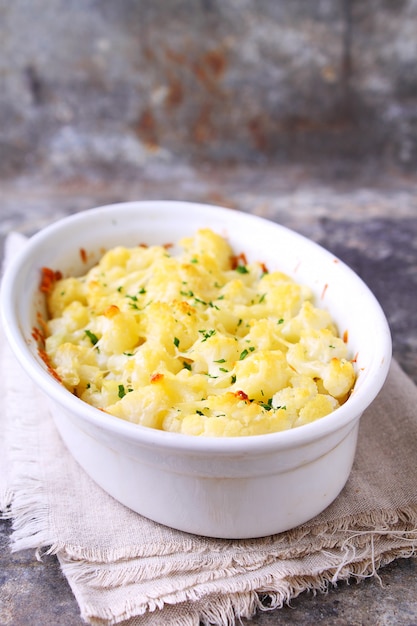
201 343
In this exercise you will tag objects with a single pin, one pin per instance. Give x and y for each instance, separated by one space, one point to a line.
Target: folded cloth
122 566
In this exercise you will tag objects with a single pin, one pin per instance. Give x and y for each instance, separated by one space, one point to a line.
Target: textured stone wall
99 86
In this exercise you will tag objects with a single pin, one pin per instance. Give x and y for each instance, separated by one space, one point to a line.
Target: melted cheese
200 343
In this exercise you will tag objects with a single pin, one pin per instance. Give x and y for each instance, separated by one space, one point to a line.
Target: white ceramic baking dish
221 487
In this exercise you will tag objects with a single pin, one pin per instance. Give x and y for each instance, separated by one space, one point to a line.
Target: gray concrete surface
113 86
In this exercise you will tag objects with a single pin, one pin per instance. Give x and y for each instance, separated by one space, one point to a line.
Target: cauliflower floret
236 293
68 360
300 391
282 296
314 350
64 292
119 331
338 377
208 245
261 373
319 406
213 354
321 354
309 318
266 334
146 406
116 258
172 325
149 359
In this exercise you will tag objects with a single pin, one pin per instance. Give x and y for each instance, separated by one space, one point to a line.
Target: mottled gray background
116 86
301 111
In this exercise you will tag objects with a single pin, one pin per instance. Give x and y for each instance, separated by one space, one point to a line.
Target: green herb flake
267 405
207 334
176 342
223 369
92 337
186 365
242 269
220 361
122 391
243 354
280 321
233 379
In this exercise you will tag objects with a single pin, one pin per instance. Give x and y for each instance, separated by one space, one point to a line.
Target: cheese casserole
200 343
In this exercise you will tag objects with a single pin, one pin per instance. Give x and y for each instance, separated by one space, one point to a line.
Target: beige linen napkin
122 566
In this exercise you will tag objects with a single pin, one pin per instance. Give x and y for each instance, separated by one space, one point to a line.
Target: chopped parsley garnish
187 365
176 342
92 337
223 369
267 405
122 391
242 269
245 353
187 293
280 321
220 361
233 379
207 334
